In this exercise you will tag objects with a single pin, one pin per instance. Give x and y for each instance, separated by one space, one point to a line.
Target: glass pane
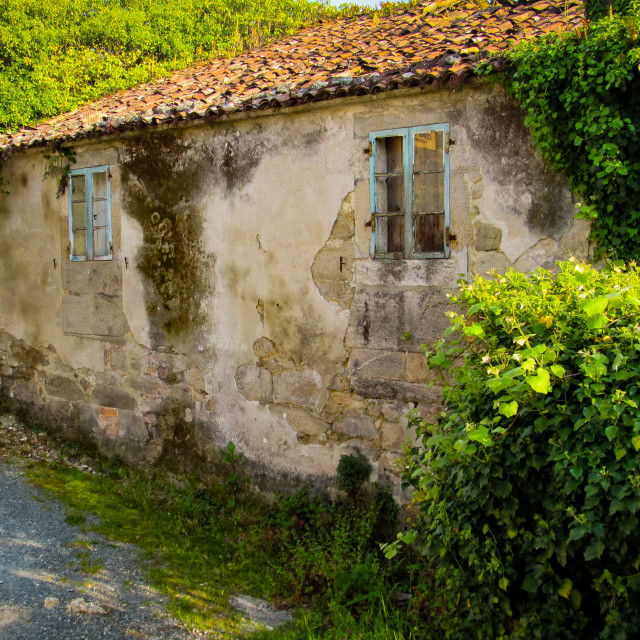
100 185
390 234
80 243
390 194
428 192
78 215
428 233
78 191
389 155
100 213
429 151
100 242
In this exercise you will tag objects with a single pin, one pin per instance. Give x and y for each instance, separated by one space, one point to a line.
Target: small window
90 214
409 175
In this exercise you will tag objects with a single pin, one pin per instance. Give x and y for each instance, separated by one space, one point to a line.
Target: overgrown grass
200 552
319 557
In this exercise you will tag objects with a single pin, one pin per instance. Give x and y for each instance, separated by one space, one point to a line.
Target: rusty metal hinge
448 237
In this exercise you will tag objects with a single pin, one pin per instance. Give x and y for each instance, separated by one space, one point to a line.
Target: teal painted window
90 214
409 181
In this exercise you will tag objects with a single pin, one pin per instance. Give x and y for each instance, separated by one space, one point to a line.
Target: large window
90 214
409 175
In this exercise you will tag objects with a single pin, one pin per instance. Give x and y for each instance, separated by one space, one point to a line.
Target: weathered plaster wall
242 303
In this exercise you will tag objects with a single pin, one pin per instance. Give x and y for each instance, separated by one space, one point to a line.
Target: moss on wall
162 181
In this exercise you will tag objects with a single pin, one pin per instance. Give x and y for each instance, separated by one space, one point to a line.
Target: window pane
78 215
390 194
389 155
428 233
80 242
429 151
100 185
100 242
428 192
78 191
100 213
390 234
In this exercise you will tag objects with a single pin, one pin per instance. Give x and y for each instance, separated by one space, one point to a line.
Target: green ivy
529 484
581 95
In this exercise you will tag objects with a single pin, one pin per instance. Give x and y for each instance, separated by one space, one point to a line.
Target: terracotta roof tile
431 42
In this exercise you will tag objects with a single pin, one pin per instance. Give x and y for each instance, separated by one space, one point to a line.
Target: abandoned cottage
254 250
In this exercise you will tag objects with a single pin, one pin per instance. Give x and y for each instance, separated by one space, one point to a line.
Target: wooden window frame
88 173
408 134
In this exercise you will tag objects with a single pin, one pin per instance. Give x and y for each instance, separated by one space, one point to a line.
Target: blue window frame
409 181
90 214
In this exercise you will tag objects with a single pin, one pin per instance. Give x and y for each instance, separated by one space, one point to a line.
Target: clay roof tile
432 42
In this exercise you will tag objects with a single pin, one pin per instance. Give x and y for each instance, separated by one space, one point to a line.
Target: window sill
440 272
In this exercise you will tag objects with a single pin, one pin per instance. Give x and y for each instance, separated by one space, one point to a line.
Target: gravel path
58 583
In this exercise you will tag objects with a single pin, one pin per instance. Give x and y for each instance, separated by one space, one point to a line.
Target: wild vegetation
580 94
529 484
317 556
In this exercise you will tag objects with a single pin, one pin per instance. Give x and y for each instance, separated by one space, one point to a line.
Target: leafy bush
529 485
353 471
332 547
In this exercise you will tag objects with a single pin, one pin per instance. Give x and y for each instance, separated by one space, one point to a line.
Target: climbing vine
580 92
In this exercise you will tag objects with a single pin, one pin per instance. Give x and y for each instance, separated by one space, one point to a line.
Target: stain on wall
496 128
162 180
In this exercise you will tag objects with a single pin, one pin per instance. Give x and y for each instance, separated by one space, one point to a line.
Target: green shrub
529 485
353 472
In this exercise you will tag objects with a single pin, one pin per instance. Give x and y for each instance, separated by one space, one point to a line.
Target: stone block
110 395
403 391
302 387
394 435
374 320
101 276
395 411
423 319
355 424
418 368
108 317
484 261
85 417
438 273
63 387
254 383
543 254
147 385
363 447
299 420
75 314
488 237
132 427
372 363
118 359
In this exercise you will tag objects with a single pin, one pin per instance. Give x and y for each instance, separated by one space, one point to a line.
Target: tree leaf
594 306
530 584
540 382
565 588
508 409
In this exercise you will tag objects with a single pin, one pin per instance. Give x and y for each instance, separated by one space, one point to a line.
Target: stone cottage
254 250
